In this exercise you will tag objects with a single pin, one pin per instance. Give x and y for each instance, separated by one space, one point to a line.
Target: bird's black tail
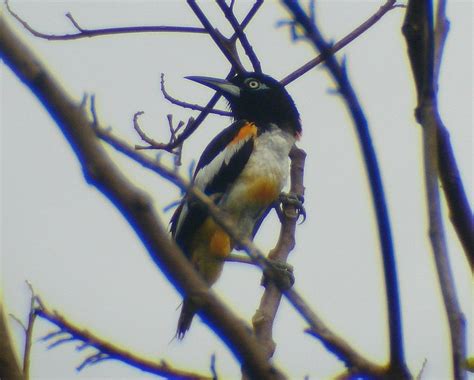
185 318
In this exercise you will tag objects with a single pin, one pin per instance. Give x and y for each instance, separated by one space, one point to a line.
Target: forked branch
397 366
88 33
69 332
134 205
418 29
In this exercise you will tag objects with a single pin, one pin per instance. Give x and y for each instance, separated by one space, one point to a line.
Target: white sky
84 260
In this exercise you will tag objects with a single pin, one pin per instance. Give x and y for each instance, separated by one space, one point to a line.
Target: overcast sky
84 260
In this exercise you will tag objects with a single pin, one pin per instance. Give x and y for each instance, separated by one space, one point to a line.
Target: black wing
219 166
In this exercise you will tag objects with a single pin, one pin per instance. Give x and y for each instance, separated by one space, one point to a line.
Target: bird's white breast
262 179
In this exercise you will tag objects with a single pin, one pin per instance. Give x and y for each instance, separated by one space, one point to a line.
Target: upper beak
221 85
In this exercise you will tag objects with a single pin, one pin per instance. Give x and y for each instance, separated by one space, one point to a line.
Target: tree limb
397 366
88 33
108 350
337 345
180 103
388 6
229 14
419 33
264 317
9 364
134 205
460 211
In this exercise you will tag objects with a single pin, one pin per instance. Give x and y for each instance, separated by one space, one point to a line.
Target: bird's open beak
221 85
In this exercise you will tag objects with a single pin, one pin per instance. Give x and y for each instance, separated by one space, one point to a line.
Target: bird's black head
257 98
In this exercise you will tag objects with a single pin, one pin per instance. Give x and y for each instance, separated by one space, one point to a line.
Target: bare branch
388 6
440 34
9 364
142 134
212 102
397 366
265 315
460 210
135 206
419 33
338 346
107 350
88 33
229 14
226 46
180 103
29 333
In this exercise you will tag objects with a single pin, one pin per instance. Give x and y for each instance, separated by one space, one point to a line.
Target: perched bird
243 169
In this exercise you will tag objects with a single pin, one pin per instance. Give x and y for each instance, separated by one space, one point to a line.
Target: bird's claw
295 200
280 272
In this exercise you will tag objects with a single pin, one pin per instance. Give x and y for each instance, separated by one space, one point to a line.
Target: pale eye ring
252 84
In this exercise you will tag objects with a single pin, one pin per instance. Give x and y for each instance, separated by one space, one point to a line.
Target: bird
243 170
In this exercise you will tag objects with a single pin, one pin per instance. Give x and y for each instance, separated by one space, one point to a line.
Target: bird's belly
261 181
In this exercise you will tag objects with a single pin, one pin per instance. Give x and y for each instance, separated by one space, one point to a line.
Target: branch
264 317
419 34
87 33
180 103
107 350
460 211
226 46
388 6
171 145
29 333
337 345
397 366
229 14
134 205
9 365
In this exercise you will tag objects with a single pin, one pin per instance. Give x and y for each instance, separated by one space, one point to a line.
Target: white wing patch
207 173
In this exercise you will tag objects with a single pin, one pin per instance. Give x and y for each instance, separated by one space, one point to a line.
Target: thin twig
440 34
180 103
397 365
133 203
388 6
88 33
419 33
109 350
29 333
227 47
229 14
9 364
342 349
188 131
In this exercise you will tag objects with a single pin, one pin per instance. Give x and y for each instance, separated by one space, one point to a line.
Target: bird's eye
252 84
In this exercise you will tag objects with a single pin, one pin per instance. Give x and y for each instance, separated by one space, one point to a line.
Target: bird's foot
294 200
279 272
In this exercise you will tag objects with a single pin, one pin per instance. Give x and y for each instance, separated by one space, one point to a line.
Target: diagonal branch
341 348
227 47
419 34
388 6
134 205
460 211
397 365
107 350
265 315
180 103
229 14
9 365
88 33
171 145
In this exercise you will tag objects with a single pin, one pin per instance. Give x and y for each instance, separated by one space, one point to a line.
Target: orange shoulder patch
249 129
